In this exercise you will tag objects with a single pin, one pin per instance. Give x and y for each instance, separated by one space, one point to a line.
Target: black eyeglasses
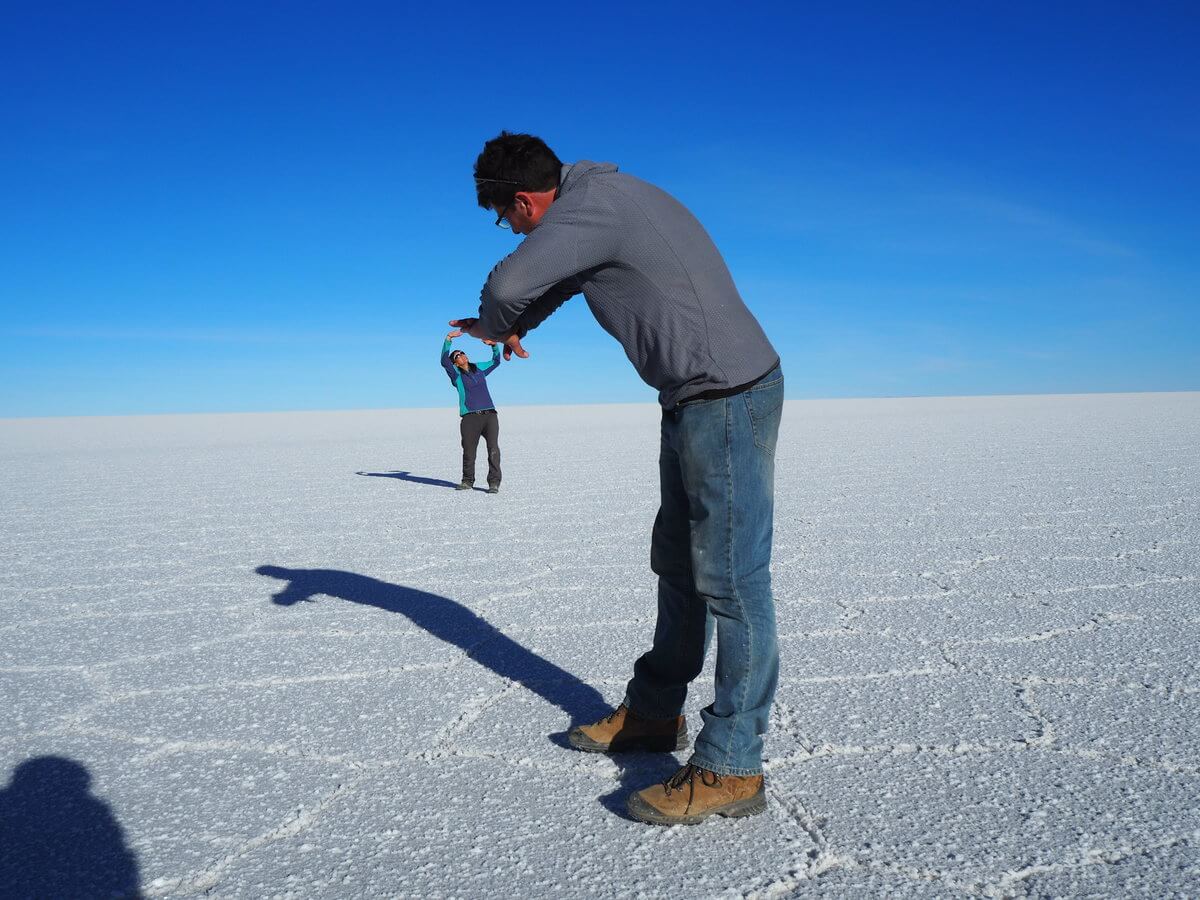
501 222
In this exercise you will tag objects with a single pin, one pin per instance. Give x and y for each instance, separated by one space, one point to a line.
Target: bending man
655 281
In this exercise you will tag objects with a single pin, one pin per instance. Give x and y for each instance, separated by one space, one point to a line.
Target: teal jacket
472 388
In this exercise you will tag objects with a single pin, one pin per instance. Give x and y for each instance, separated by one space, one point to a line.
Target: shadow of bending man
453 623
57 839
485 644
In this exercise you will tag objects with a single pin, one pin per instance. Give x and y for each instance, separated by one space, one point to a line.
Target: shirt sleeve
446 364
540 271
544 306
492 364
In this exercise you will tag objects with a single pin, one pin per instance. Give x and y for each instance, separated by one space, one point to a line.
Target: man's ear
524 201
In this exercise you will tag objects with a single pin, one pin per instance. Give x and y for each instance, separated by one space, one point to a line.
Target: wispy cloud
1045 224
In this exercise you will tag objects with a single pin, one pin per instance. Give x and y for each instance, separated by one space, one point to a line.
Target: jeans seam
680 633
733 589
638 697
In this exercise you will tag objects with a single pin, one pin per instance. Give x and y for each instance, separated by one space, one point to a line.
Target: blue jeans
711 550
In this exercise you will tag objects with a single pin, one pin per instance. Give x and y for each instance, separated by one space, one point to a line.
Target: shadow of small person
415 479
57 839
485 644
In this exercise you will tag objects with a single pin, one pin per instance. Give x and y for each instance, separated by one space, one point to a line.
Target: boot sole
644 812
581 741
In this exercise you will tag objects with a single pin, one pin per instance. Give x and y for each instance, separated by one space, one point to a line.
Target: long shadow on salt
58 839
415 479
485 644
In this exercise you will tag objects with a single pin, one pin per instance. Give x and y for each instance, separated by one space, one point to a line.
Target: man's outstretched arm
541 273
544 306
533 316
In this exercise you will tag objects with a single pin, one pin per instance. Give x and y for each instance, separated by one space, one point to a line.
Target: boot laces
687 776
612 715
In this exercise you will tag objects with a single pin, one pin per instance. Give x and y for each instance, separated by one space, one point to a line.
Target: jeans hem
698 760
641 713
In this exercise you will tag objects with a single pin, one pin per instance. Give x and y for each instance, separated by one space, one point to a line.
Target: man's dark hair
514 162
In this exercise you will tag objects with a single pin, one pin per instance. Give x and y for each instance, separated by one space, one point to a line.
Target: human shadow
58 839
415 479
455 624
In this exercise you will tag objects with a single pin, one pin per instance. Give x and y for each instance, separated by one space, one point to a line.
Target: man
478 413
655 281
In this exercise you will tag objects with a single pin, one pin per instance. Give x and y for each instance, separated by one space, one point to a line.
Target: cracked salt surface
288 666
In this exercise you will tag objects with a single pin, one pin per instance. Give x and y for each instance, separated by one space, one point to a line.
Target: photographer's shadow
58 839
455 624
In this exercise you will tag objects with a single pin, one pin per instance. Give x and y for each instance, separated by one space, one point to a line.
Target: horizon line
361 409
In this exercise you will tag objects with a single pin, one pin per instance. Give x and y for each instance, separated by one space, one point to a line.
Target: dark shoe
464 486
621 731
693 794
493 489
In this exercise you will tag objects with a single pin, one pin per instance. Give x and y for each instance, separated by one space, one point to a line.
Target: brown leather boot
693 794
621 731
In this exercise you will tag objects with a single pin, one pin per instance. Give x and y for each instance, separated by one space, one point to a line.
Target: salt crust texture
296 663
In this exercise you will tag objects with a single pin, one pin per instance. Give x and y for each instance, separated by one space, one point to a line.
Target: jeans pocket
764 403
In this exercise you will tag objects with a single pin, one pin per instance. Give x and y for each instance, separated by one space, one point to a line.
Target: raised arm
445 358
489 367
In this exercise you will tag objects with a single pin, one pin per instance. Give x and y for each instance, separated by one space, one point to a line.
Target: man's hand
512 343
467 326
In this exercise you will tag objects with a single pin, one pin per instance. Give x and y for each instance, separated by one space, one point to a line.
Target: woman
479 417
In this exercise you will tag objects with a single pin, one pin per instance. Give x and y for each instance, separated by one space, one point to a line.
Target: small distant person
479 416
655 281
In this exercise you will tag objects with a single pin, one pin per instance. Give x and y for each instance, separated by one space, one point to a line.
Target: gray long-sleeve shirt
651 276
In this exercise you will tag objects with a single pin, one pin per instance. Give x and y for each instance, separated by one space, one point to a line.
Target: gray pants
474 425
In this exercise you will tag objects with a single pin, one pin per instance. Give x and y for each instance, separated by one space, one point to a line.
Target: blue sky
268 206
